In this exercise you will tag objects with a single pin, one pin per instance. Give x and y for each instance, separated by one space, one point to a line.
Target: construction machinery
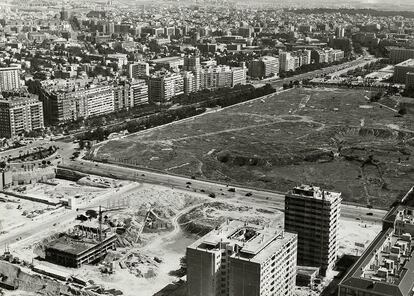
101 211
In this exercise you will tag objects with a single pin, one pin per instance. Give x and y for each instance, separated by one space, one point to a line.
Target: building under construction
86 244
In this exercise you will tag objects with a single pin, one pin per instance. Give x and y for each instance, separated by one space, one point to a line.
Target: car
232 189
188 183
212 195
202 190
249 194
370 214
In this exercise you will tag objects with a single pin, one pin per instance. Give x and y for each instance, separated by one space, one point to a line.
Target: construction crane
100 212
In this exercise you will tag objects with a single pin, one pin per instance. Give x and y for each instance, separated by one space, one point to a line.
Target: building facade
9 79
138 92
313 214
163 87
401 70
138 70
398 54
75 101
239 259
264 67
19 115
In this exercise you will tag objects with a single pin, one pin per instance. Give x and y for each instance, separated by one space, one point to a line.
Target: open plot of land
328 137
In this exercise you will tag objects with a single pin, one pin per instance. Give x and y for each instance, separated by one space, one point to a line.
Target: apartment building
409 81
320 56
122 97
386 267
398 54
286 62
222 76
10 78
313 213
138 92
79 99
401 70
20 114
239 259
99 100
189 82
264 67
238 76
191 63
138 70
162 87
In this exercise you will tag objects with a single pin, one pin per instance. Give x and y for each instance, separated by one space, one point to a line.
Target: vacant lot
328 137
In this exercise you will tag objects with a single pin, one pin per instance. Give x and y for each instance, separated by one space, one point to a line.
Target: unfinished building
238 259
83 246
313 213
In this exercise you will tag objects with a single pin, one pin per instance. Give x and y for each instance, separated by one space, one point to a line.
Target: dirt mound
235 158
370 133
208 216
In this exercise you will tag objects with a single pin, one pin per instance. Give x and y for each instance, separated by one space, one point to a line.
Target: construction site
81 234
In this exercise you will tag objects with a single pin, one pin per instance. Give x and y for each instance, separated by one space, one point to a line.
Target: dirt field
327 137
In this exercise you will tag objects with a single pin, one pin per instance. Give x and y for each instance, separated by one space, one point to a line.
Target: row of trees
169 115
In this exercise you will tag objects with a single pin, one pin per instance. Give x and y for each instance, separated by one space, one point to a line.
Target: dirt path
176 228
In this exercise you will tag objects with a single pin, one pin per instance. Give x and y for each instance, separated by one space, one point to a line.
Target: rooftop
407 63
75 245
315 192
167 59
254 242
387 265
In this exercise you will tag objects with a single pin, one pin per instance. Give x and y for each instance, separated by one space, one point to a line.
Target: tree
375 97
402 110
92 214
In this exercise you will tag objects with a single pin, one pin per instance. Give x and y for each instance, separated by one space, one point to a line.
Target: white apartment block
286 62
99 100
9 78
138 92
240 259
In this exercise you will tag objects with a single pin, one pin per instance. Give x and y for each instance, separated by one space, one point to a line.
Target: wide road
262 197
361 61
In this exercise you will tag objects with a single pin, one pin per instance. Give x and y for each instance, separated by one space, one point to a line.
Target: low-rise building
169 62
